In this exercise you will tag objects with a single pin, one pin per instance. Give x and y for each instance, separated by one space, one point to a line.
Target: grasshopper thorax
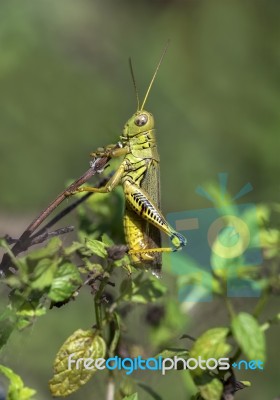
141 121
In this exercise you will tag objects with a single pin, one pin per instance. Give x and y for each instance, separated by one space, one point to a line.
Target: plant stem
230 308
260 304
97 299
271 321
110 395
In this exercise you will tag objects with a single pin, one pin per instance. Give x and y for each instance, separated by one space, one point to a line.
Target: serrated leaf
81 344
92 267
65 282
249 336
96 247
133 396
17 390
211 344
43 274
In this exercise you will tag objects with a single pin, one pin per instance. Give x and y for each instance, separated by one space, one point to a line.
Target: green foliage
55 274
249 336
133 396
17 390
65 281
211 390
142 290
211 344
63 74
81 344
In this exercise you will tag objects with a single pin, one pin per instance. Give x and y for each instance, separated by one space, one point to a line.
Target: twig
47 235
69 208
42 237
24 240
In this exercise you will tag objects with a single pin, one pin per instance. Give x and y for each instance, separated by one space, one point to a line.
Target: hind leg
138 200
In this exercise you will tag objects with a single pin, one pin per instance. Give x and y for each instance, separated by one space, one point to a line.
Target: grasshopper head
141 121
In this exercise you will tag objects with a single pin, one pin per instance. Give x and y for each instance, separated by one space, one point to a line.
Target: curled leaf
70 375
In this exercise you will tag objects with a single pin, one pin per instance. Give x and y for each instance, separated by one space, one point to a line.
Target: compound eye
141 120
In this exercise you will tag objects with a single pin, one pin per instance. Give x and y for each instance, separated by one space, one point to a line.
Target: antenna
155 74
134 83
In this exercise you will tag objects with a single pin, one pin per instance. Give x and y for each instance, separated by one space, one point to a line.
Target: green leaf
249 336
31 312
211 344
46 252
170 353
8 323
127 386
144 292
91 267
23 323
73 248
133 396
16 391
246 383
96 247
221 261
190 273
65 282
43 274
107 240
81 344
212 390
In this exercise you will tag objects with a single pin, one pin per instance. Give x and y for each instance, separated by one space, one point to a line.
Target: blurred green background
65 89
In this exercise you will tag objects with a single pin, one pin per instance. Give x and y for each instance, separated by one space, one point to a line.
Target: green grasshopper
138 174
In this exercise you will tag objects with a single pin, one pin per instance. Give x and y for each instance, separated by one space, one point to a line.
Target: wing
151 185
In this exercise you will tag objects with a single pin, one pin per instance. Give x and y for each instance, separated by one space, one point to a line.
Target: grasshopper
138 174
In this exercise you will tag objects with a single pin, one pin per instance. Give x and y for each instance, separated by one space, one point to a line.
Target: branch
43 236
69 208
26 238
